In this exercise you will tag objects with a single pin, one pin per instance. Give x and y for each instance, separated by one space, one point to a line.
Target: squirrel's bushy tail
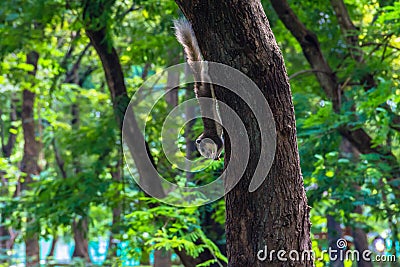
185 35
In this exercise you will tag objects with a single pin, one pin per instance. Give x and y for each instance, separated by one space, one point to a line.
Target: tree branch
132 8
348 29
329 82
73 71
350 32
311 50
59 160
379 45
294 75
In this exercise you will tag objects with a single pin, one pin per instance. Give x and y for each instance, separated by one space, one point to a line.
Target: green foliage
172 229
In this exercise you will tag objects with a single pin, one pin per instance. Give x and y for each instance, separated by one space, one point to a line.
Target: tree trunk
7 235
162 257
4 237
80 227
171 97
334 234
12 138
350 33
311 50
347 150
4 234
395 240
119 96
360 241
53 246
80 230
29 164
116 174
276 215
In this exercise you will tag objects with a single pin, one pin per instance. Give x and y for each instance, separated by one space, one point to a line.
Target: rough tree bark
237 33
29 164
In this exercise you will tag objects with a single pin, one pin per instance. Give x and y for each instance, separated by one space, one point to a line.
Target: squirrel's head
209 146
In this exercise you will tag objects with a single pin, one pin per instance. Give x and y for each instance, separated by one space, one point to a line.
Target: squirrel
210 142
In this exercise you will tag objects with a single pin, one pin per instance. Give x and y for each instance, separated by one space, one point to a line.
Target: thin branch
294 75
145 71
346 82
59 160
379 44
64 62
139 96
395 123
384 52
86 74
342 61
349 31
131 9
385 41
75 67
311 47
13 235
391 54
